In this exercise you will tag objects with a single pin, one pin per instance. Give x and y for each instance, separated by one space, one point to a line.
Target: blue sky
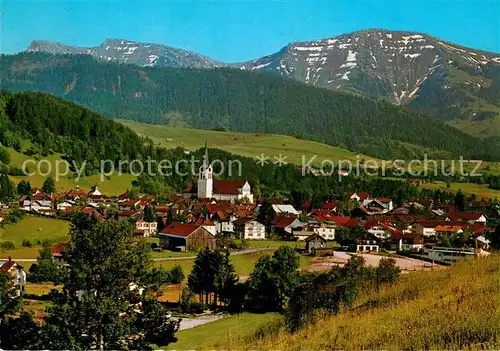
233 31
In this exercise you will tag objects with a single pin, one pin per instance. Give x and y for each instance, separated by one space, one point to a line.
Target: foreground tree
212 273
9 303
108 300
274 279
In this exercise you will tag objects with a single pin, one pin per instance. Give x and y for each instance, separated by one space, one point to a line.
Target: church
221 190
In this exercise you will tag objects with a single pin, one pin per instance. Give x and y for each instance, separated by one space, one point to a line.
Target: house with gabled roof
407 242
285 224
471 217
16 274
186 236
359 196
331 206
223 222
283 208
146 229
249 228
207 224
380 229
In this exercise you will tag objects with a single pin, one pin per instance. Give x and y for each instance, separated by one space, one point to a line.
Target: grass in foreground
222 332
457 308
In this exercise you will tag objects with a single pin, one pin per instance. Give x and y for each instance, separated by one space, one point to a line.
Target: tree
387 271
46 269
460 201
494 238
10 301
21 333
176 275
105 301
49 186
273 279
24 188
225 279
149 214
201 278
212 273
328 292
7 188
4 155
266 214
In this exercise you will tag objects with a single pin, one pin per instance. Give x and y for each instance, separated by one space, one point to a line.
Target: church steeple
205 180
206 162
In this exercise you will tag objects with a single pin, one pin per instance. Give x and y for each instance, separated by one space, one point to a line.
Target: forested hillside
240 101
53 125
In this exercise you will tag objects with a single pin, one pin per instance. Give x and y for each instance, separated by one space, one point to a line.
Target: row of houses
377 217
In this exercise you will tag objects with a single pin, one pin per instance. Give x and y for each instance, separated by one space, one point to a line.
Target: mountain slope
126 51
237 100
448 81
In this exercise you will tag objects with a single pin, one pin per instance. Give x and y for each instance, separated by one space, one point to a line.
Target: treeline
229 99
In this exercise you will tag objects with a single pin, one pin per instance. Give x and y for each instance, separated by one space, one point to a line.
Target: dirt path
372 260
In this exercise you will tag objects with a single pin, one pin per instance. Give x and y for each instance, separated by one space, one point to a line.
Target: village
225 214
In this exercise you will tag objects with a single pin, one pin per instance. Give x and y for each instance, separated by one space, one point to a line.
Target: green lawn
243 264
35 228
220 334
245 144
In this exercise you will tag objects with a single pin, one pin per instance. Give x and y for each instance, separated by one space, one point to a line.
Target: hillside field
113 185
244 144
35 228
455 309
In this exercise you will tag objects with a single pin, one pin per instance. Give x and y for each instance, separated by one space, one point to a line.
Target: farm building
185 237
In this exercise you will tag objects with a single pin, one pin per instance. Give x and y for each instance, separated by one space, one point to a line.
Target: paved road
242 252
187 323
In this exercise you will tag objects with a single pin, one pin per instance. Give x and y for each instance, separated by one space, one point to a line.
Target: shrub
26 243
176 275
7 245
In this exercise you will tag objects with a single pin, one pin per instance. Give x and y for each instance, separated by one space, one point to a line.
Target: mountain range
243 101
452 83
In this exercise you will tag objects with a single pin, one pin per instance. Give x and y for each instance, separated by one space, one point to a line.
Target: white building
247 228
285 209
65 204
448 254
146 228
326 232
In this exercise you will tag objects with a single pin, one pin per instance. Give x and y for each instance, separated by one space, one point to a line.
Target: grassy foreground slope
455 308
244 144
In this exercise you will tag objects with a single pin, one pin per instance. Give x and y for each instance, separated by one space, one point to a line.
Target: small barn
315 242
185 237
